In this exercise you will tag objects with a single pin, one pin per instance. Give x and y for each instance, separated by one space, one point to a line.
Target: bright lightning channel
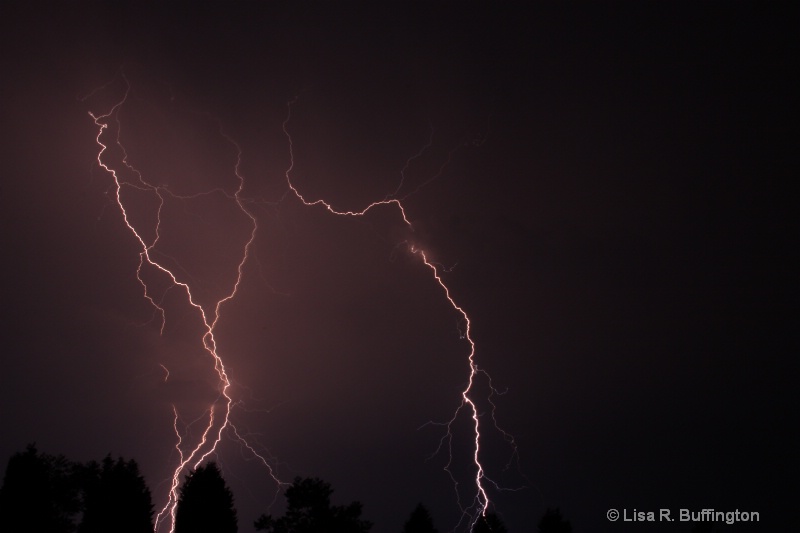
219 417
481 502
210 438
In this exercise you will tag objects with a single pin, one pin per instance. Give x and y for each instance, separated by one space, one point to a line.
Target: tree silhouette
39 493
420 521
116 498
205 503
308 510
553 522
489 523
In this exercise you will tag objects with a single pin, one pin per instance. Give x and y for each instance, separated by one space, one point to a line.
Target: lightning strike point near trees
112 157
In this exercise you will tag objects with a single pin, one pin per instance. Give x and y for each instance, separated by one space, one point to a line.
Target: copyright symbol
612 515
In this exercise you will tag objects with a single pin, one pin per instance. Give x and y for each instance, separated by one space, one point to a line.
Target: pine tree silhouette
39 493
205 503
420 521
116 498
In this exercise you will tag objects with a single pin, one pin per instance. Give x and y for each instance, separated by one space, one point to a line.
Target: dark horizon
604 190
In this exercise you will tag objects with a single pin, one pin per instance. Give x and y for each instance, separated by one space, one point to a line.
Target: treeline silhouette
48 493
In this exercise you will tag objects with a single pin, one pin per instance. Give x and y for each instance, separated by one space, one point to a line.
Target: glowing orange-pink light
481 497
205 446
210 438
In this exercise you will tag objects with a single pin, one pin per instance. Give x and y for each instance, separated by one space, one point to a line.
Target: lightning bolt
217 417
480 500
219 413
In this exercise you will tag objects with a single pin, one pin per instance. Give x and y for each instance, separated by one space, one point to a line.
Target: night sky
605 188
